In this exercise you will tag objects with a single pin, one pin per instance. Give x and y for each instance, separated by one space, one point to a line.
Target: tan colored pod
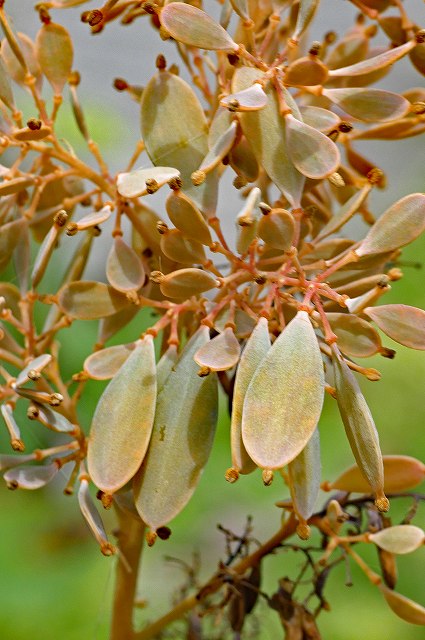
355 336
400 539
215 155
12 64
185 283
369 105
142 181
26 133
123 420
403 607
124 269
313 153
247 221
306 71
284 400
253 354
251 99
181 441
33 369
220 353
277 228
93 519
178 247
6 94
193 27
402 323
104 364
321 119
86 300
10 235
55 54
374 64
185 215
9 187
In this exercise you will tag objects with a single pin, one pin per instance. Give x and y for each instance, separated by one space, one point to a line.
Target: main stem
130 542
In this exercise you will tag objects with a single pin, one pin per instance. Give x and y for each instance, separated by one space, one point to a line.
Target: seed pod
47 247
388 564
93 219
220 353
348 209
284 399
401 539
26 134
185 283
321 119
277 228
10 187
124 269
403 607
266 132
55 54
12 64
12 426
404 324
355 336
193 27
12 298
54 420
123 420
110 325
243 161
85 300
178 247
105 364
6 94
369 105
10 462
185 215
10 235
360 429
312 153
306 11
247 220
402 223
352 48
32 369
181 441
32 478
417 58
215 155
306 71
374 64
251 99
134 183
304 478
93 519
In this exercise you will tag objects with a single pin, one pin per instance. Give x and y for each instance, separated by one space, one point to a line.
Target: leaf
399 539
185 283
220 353
305 473
55 54
284 399
402 223
34 367
369 105
355 336
181 441
403 607
253 354
31 478
124 269
266 132
86 300
251 99
165 365
321 119
400 474
123 420
133 184
313 153
404 324
373 64
360 429
193 27
175 132
104 364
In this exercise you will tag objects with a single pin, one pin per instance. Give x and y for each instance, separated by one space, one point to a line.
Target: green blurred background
54 583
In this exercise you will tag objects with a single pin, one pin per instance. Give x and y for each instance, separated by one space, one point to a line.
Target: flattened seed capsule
185 283
277 228
185 215
220 353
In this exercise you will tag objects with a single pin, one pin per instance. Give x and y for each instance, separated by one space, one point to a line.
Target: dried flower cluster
278 318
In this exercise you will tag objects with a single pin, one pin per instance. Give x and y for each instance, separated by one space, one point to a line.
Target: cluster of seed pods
278 316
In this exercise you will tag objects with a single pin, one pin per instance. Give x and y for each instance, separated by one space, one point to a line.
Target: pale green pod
193 27
355 336
266 131
402 223
314 155
31 478
123 420
369 105
360 429
53 420
220 353
253 354
400 539
104 364
402 323
34 367
176 246
346 212
110 325
181 441
6 94
133 184
185 283
305 474
55 54
247 221
252 98
93 519
124 269
86 300
185 215
277 228
10 234
374 64
175 132
12 297
215 155
403 607
284 399
306 11
44 254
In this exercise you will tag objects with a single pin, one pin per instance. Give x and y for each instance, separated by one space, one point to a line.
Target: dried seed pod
251 99
220 353
402 223
178 247
399 539
193 27
185 283
403 607
321 119
374 64
181 441
304 478
215 155
9 187
306 71
55 54
360 429
47 247
137 183
266 132
86 300
33 369
400 322
104 364
54 420
306 11
312 153
124 269
277 228
26 134
355 336
348 209
123 420
369 105
93 519
91 219
31 478
417 58
287 389
185 215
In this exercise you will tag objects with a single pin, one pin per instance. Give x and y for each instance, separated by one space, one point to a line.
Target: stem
130 541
